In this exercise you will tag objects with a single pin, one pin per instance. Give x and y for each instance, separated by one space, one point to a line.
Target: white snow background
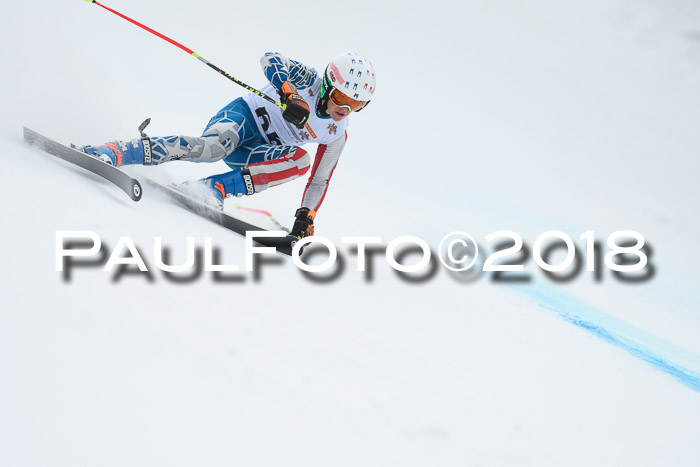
488 115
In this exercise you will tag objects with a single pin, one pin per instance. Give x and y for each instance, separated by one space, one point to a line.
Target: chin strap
322 107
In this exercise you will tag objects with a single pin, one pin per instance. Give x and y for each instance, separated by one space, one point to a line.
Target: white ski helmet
352 75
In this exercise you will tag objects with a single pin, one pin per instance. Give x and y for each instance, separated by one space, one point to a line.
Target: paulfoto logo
625 254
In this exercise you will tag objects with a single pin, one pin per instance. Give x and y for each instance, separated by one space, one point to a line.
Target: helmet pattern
353 75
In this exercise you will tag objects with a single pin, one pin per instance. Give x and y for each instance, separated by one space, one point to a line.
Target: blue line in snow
665 356
669 358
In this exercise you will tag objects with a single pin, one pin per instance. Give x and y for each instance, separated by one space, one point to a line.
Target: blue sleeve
278 69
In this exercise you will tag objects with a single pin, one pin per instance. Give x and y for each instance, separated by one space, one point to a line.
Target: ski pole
192 53
264 213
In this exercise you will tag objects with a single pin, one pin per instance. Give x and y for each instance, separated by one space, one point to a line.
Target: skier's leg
271 165
231 127
258 167
167 148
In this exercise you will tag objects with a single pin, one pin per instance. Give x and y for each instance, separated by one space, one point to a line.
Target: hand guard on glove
304 223
297 111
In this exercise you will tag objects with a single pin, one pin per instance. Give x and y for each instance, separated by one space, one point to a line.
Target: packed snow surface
489 115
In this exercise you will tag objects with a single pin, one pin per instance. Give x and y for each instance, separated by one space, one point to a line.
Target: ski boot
118 153
237 182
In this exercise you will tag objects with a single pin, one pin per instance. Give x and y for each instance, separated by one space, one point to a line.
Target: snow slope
489 115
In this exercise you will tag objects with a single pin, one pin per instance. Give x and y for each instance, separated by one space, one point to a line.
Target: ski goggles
342 100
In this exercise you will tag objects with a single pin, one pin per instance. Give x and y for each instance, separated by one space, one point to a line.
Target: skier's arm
288 76
278 69
325 162
326 159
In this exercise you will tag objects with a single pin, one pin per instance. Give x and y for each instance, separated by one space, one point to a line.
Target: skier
260 142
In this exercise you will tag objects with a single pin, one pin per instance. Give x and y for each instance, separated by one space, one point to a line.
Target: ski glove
304 223
297 111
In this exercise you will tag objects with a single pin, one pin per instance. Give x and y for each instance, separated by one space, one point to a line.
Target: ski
132 187
283 245
128 185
